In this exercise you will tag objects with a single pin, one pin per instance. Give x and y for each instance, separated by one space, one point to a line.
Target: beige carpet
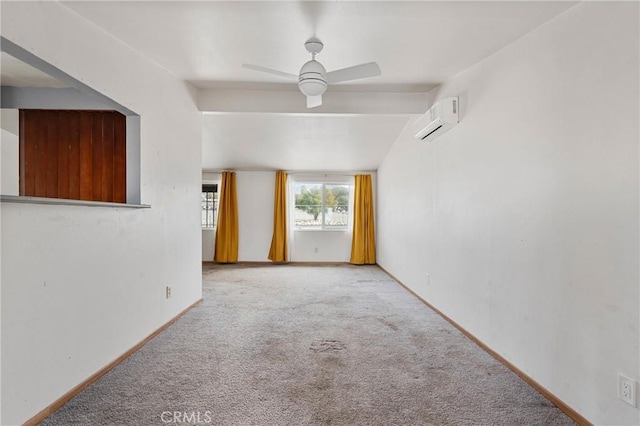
302 345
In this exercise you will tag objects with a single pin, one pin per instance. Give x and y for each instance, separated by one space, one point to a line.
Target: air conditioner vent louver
432 132
439 119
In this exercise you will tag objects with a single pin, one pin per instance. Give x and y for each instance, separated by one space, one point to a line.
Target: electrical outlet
316 250
168 292
627 389
428 277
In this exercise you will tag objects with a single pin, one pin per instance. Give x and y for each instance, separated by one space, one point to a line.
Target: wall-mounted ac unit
439 119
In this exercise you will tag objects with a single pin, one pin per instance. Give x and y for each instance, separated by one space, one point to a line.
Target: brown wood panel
27 155
74 155
86 156
63 154
51 118
21 153
41 154
107 156
97 150
120 158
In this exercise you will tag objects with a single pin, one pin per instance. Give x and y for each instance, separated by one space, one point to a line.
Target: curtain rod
292 173
238 170
329 174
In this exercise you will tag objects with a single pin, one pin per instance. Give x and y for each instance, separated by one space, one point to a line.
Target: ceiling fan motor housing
313 46
312 81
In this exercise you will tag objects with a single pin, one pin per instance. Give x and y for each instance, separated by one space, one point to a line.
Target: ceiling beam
293 102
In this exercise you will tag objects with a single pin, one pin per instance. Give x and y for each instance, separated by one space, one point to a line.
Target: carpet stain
388 324
328 345
320 393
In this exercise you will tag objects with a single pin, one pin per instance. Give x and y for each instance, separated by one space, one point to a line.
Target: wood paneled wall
79 155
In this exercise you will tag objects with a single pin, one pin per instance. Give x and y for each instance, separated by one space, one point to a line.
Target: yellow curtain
278 250
226 247
363 245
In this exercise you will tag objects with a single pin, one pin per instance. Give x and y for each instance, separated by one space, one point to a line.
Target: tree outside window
321 206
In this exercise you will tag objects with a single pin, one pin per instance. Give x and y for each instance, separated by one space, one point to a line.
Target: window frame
210 188
323 227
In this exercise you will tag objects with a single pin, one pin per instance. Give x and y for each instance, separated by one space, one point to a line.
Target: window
209 205
72 154
321 206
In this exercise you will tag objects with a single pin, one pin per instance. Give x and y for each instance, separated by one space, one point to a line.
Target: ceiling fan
313 78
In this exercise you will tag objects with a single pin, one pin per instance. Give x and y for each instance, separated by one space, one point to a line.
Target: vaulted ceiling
256 120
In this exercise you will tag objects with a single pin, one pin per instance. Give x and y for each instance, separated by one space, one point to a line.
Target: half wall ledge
65 202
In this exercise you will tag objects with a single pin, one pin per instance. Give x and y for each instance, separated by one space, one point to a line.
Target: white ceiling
337 142
417 44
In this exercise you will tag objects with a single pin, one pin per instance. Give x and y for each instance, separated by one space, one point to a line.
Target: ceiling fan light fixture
312 81
312 87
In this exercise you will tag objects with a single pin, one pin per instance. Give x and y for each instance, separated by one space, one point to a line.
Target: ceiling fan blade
314 101
270 71
370 69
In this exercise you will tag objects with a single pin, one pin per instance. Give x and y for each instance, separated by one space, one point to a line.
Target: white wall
321 246
82 285
255 222
525 216
255 214
9 154
208 244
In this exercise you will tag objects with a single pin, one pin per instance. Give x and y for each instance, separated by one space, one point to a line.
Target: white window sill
65 202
